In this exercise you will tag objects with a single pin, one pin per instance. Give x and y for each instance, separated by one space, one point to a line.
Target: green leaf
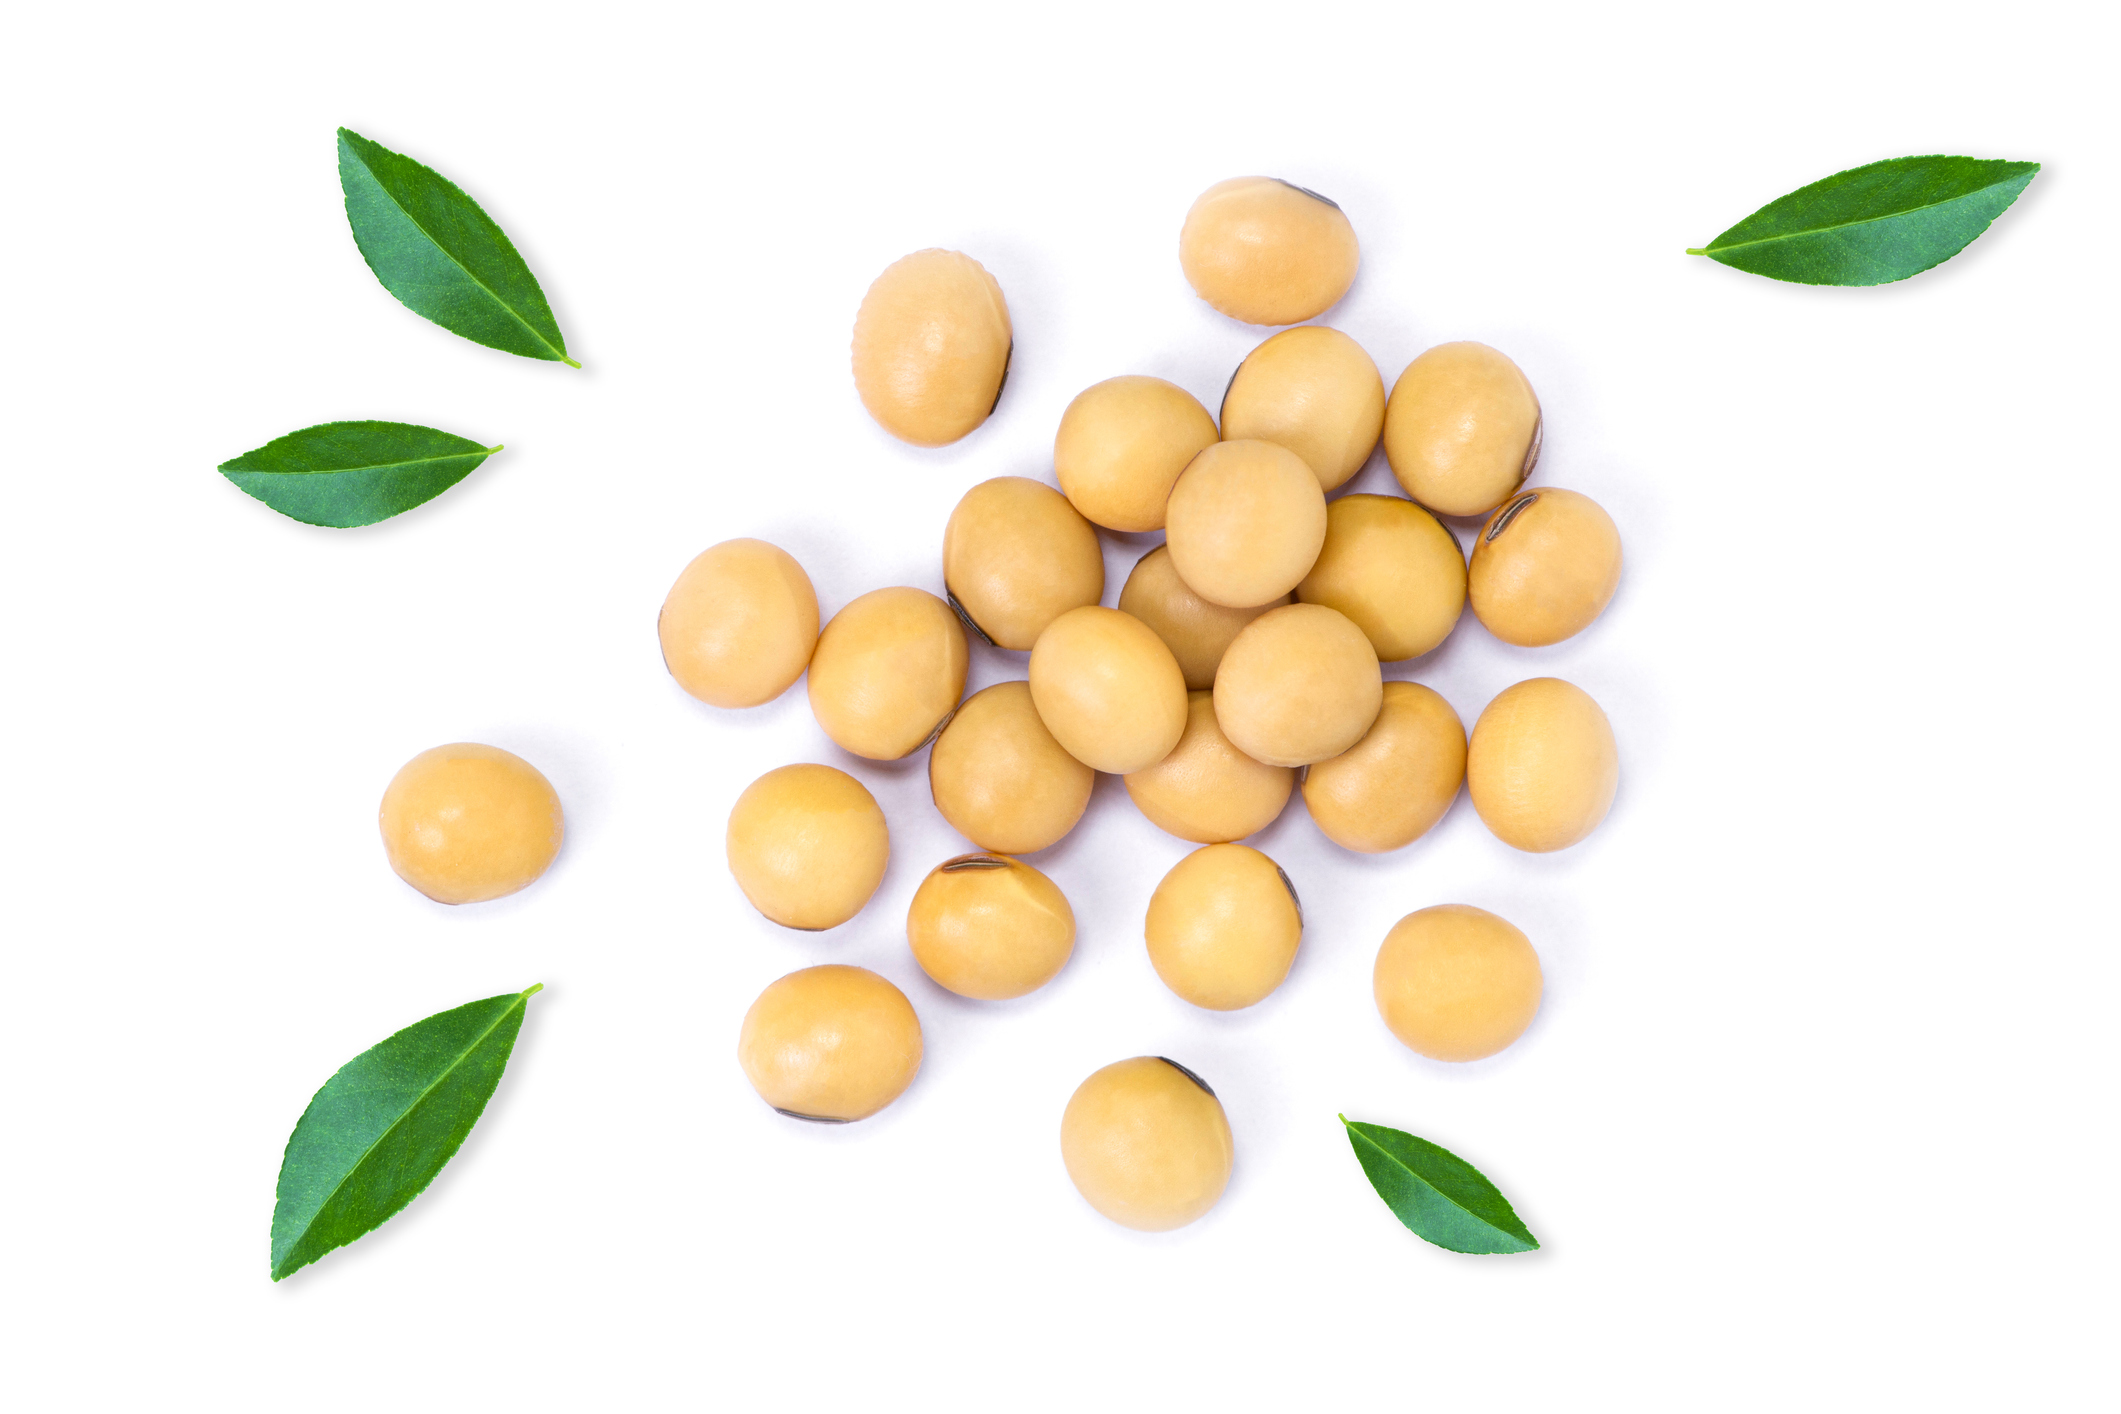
442 256
344 474
1873 225
383 1127
1439 1196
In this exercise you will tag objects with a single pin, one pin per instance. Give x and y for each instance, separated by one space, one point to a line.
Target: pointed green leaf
1873 225
1439 1196
344 474
383 1127
441 255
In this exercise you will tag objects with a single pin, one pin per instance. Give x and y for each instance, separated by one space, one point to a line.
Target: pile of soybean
1241 666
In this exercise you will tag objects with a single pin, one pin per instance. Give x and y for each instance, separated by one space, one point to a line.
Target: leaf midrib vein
365 466
1850 225
449 255
391 1128
1395 1159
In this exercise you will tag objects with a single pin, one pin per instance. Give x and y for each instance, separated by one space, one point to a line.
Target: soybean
1267 251
1390 788
1147 1144
1462 429
1542 765
1544 567
1394 570
1197 632
465 823
740 624
1121 445
1016 556
1456 983
999 777
1223 927
1207 790
931 347
807 845
1314 391
989 927
832 1043
1299 684
888 671
1108 690
1245 523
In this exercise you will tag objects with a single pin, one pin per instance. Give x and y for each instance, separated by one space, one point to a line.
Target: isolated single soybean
1300 683
989 927
1393 569
1542 766
1197 632
1206 790
932 345
740 624
1266 251
830 1043
466 823
1313 390
1544 567
1223 927
1001 779
1462 429
1456 983
1245 523
1390 788
1146 1142
1122 444
1108 689
807 844
888 671
1016 556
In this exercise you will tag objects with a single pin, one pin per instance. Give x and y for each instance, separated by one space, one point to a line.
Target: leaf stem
535 987
569 362
1697 252
491 450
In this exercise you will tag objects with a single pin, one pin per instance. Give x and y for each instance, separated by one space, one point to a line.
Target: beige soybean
1245 523
1542 766
1207 790
1299 684
1121 445
1267 251
1390 788
1462 429
1394 570
1000 779
1197 633
989 927
1544 567
807 845
1314 391
465 823
1456 983
739 625
1016 556
831 1043
1147 1144
931 347
1223 927
888 671
1108 689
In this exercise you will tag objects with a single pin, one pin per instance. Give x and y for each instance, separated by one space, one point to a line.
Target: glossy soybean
1207 790
466 823
1108 689
738 627
1245 523
1542 765
989 927
1462 429
1147 1144
1394 570
1300 683
807 844
888 671
1197 632
932 345
1122 444
1544 567
1390 788
1456 983
1016 556
831 1043
1266 251
1223 927
1313 390
1001 779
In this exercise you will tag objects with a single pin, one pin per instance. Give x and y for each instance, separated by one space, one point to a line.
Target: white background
1819 1109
